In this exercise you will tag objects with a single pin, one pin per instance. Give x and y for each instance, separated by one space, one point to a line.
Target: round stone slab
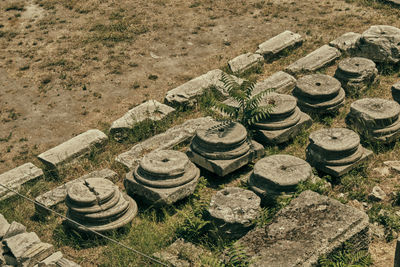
222 135
164 163
91 191
279 124
356 66
340 141
317 86
284 105
375 112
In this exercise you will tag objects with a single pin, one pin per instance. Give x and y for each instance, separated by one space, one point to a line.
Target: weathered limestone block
73 148
223 148
4 225
16 177
272 47
396 92
393 164
167 140
375 119
335 151
279 82
317 59
234 210
244 62
99 205
185 94
380 43
57 195
163 177
309 227
56 260
14 229
346 42
149 110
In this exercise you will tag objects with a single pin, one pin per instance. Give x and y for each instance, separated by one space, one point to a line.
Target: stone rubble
377 194
279 82
275 45
375 119
309 227
393 164
18 176
356 74
335 151
99 205
222 148
73 148
317 59
319 94
245 62
149 110
347 42
284 122
233 211
162 178
396 92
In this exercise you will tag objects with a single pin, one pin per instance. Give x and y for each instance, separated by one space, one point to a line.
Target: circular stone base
319 87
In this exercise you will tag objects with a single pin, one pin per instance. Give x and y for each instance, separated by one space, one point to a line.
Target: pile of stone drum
375 119
335 151
319 94
163 177
356 74
396 92
223 148
278 174
99 205
284 121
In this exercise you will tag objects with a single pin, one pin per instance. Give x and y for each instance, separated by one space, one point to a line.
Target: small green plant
347 258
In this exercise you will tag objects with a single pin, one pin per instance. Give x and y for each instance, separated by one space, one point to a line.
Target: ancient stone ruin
272 47
335 151
375 119
396 92
223 148
347 42
356 74
284 122
163 177
99 205
319 94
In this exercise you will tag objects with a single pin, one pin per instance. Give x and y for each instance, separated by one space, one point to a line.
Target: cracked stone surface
346 42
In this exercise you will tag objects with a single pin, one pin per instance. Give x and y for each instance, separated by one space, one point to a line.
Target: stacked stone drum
284 121
375 119
319 94
335 151
396 92
223 148
356 74
278 174
99 205
163 177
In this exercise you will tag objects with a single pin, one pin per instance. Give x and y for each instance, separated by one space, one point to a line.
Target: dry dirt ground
67 66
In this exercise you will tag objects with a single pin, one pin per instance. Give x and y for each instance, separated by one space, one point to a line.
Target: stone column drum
99 205
162 178
223 148
335 151
319 94
284 122
375 119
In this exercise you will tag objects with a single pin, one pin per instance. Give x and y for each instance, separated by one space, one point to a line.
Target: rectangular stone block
347 42
244 62
36 253
167 140
73 148
317 59
309 227
280 82
4 225
272 47
16 177
57 195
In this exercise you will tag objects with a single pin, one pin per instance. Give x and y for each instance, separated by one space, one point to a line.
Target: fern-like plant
246 109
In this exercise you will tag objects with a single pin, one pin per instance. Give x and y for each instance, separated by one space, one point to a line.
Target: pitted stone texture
244 62
185 94
234 210
73 148
149 110
375 119
279 173
14 229
163 177
272 47
279 82
57 195
396 92
4 225
99 205
167 140
356 74
319 93
16 177
317 59
380 43
346 42
309 227
335 151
